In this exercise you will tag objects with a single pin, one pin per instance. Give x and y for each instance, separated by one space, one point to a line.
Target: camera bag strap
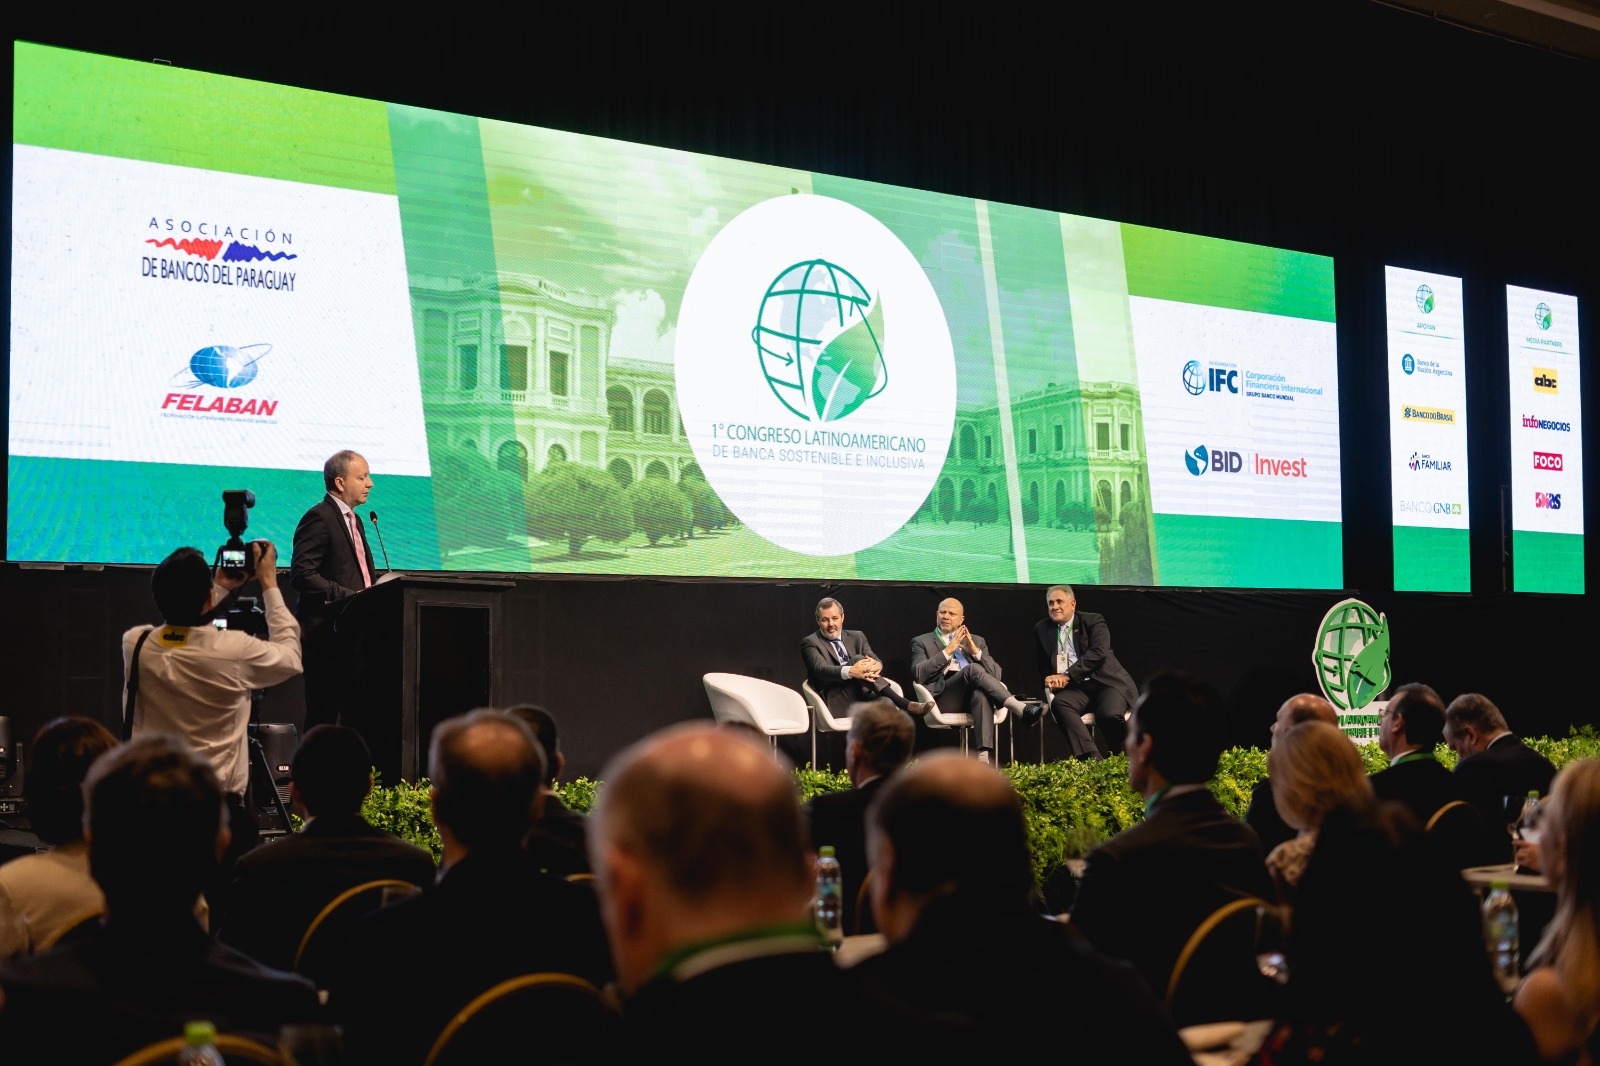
133 685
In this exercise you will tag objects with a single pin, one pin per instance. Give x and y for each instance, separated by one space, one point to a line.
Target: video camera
236 558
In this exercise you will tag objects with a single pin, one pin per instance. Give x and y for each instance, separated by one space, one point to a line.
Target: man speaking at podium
332 562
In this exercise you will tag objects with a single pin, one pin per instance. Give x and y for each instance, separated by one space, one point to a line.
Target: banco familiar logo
1544 380
1541 315
1425 299
1351 654
1423 461
1408 364
819 335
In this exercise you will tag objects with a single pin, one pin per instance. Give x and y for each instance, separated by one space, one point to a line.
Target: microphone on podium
374 516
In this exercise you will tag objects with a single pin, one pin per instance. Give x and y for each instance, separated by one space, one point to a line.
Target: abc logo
1547 461
1549 500
1544 380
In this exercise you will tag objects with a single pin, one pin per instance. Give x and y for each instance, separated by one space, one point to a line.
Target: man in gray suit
842 668
955 666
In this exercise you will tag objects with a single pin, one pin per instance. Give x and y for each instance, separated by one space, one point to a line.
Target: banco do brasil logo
819 335
1541 315
1408 364
1352 654
223 366
1425 299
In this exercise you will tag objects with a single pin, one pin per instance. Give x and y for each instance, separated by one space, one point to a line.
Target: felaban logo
1548 461
221 366
1547 500
1544 379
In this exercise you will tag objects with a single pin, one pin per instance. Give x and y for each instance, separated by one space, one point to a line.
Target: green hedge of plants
1069 806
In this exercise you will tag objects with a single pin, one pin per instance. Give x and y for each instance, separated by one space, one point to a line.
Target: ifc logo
801 306
1424 300
1193 379
1408 364
1541 315
223 366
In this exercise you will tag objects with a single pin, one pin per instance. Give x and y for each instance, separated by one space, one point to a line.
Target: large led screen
567 354
1428 430
1546 441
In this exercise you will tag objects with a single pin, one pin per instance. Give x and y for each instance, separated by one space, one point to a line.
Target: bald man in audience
1262 814
705 887
952 881
493 914
955 666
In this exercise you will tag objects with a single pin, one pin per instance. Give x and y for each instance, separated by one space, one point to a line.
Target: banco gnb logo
820 338
1541 315
1425 299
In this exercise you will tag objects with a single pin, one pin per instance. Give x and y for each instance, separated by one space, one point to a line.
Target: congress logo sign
1541 316
1351 655
1425 299
815 373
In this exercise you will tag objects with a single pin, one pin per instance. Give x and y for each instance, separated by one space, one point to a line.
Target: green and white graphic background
524 416
1546 542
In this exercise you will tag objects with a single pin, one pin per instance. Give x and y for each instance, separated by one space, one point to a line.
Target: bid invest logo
1547 500
1200 458
1544 379
1548 461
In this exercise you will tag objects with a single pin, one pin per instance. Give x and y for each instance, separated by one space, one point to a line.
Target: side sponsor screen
1427 430
1546 441
567 354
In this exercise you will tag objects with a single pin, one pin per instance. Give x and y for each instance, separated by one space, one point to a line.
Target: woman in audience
1560 997
1313 768
44 895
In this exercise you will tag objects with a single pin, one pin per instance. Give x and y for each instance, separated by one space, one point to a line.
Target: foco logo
1547 461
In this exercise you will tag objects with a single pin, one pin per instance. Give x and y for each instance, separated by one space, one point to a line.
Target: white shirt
43 895
196 681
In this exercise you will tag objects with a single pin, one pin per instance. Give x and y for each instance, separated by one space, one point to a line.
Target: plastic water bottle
1500 937
200 1046
1531 813
830 898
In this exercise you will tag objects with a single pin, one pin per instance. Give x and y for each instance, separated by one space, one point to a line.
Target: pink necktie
361 553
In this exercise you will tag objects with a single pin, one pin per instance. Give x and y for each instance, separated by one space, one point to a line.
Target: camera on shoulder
236 558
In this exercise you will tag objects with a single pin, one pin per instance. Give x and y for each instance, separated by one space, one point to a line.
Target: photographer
195 680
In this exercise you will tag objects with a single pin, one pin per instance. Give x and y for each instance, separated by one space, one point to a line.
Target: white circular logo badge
815 374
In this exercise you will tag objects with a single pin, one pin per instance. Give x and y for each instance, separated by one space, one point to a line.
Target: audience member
1493 763
1314 768
1262 813
492 915
880 740
1421 989
1409 729
1146 889
277 891
195 681
952 881
706 888
1560 997
44 895
558 840
157 825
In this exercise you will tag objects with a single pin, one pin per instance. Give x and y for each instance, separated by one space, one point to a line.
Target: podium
425 645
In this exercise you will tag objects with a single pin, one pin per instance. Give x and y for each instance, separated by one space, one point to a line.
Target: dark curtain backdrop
1345 128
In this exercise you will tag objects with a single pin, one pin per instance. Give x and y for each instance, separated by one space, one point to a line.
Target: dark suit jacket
1146 889
278 889
558 843
928 663
822 668
490 917
1508 767
104 997
840 819
1421 784
1003 971
1096 664
1262 816
324 568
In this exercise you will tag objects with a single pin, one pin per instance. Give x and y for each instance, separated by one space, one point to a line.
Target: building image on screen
1546 441
568 354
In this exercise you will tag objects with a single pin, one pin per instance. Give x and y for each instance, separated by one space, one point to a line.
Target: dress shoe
1032 711
919 709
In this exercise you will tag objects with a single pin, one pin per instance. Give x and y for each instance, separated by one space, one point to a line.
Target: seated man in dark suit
842 668
156 827
558 839
955 666
1074 656
952 882
880 741
1147 888
706 888
1409 728
1262 814
277 891
492 915
1492 763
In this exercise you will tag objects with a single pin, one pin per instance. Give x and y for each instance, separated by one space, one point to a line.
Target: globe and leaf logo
1352 655
1197 460
819 335
1541 315
1425 299
1193 379
223 366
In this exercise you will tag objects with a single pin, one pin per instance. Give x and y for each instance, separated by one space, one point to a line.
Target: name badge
1061 663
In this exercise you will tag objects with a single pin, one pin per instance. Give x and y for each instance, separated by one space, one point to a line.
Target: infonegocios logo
1535 422
1548 461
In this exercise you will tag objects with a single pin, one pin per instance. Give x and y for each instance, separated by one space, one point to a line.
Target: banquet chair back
569 1014
324 937
1215 977
234 1049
